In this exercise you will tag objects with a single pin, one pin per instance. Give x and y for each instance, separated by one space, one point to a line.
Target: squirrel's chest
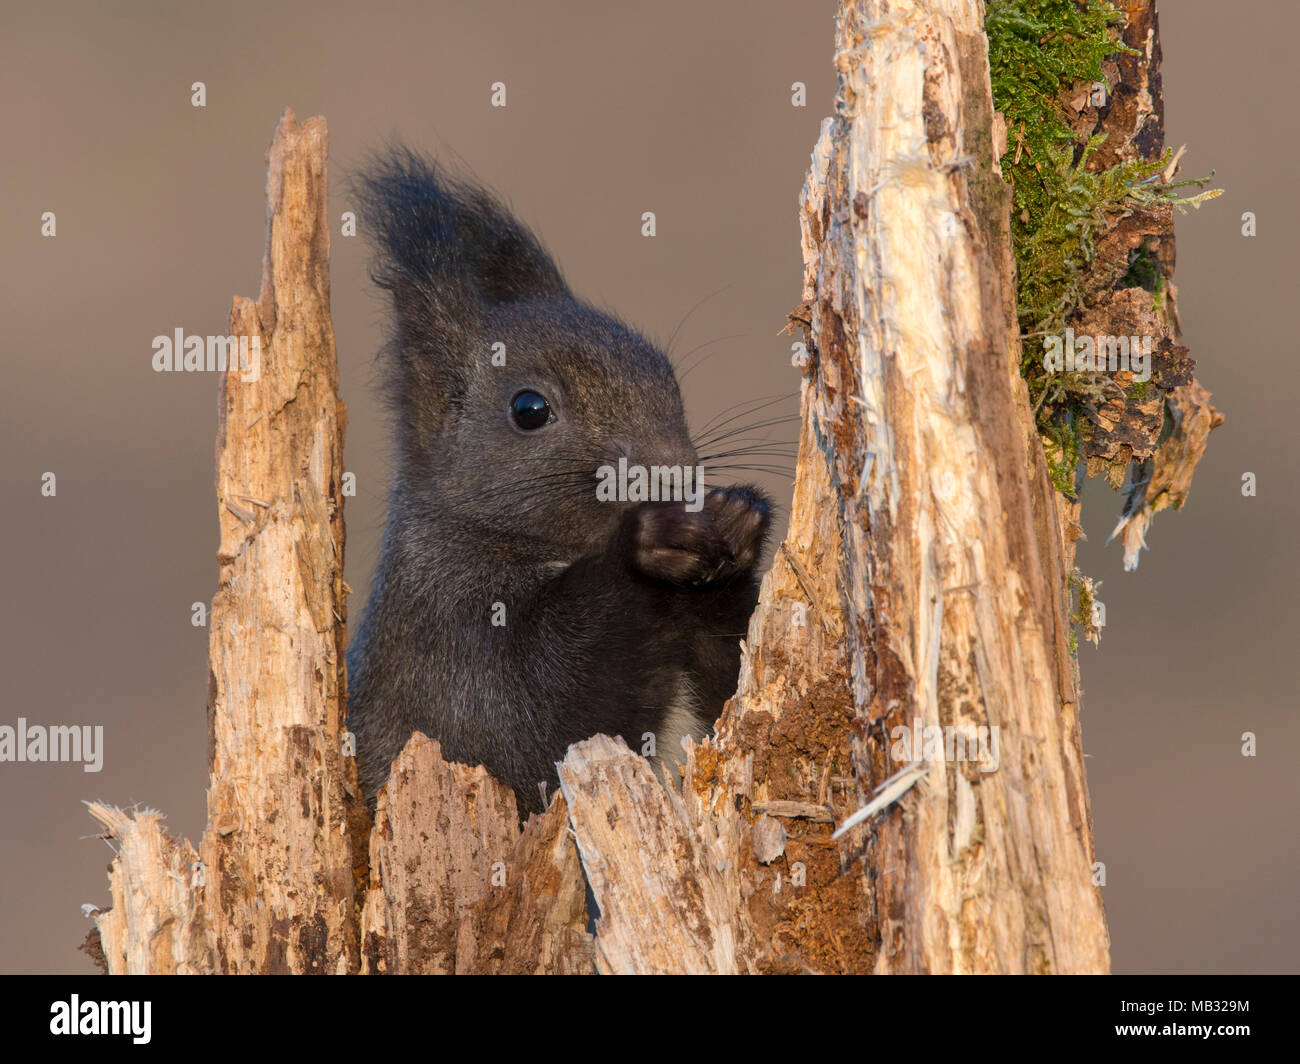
681 718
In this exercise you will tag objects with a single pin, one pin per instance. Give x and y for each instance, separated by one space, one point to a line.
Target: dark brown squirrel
529 592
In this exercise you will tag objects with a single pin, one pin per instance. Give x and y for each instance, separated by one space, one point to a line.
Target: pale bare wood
952 588
156 924
274 892
282 798
666 901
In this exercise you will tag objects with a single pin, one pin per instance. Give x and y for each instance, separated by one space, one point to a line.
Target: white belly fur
679 720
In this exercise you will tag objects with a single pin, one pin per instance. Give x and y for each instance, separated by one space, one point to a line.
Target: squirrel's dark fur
619 617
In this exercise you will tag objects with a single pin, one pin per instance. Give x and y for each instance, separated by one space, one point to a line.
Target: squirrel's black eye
530 411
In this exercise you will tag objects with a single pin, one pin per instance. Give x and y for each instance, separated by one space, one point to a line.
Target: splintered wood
952 571
271 889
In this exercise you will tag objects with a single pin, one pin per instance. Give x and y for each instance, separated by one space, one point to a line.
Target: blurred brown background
678 107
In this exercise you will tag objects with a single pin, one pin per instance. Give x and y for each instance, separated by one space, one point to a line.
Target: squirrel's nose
655 452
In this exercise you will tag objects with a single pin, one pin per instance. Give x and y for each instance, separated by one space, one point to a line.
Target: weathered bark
272 890
923 581
478 897
1158 440
1164 481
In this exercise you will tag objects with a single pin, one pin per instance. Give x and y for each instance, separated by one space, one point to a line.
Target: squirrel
521 603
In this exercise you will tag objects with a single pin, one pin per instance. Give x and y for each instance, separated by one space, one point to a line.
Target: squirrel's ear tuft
447 251
446 246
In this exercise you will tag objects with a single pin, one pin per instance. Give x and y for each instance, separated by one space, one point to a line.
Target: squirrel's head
510 394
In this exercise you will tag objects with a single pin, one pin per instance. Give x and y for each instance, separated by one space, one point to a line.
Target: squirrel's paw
713 544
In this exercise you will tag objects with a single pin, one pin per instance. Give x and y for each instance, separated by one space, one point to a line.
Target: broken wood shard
155 924
665 904
1164 481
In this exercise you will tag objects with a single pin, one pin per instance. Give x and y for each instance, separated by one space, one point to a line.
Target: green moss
1039 52
1039 49
1143 271
1063 448
1072 589
1083 592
